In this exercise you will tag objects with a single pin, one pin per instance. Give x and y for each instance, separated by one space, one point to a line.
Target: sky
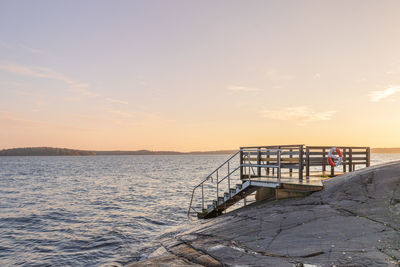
199 75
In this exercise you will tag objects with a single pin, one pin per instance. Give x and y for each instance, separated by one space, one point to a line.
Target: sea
96 210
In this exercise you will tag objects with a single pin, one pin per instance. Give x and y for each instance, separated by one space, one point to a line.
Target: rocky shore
353 221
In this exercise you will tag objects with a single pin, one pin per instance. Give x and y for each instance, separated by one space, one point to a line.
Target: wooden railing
295 159
291 160
352 157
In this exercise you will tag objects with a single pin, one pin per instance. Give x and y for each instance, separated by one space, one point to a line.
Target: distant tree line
44 151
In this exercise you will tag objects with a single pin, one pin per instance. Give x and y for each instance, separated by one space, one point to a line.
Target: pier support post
301 162
290 156
259 161
351 160
344 159
241 163
307 162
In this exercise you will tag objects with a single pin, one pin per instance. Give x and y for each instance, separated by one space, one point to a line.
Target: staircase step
232 190
220 200
238 187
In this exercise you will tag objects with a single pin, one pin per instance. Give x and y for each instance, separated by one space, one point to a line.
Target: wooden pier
288 170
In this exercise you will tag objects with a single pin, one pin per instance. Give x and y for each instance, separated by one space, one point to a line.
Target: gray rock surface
353 221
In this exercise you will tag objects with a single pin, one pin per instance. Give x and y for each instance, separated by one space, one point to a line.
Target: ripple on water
88 211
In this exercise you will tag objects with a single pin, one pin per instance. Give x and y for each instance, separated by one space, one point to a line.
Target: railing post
344 161
259 161
278 155
241 163
350 159
290 156
368 156
248 158
307 162
301 162
202 197
323 161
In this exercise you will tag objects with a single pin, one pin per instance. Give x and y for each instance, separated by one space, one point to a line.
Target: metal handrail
208 177
220 166
237 168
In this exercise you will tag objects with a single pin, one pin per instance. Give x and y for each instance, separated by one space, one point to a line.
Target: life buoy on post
339 156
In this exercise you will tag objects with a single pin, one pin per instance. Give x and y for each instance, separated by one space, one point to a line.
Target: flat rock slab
353 221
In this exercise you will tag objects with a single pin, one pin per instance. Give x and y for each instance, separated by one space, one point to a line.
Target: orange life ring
339 157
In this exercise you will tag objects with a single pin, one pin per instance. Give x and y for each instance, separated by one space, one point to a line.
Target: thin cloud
317 76
242 88
277 75
20 47
11 83
46 73
81 88
30 49
395 68
38 72
113 100
120 113
300 115
23 93
15 119
376 96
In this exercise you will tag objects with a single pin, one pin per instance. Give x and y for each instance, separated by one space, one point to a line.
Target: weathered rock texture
353 221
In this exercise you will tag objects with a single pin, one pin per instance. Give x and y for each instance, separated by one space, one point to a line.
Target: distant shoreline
52 151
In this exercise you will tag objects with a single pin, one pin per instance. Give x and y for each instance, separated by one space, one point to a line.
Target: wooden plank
321 159
275 146
320 153
256 165
328 147
271 153
274 159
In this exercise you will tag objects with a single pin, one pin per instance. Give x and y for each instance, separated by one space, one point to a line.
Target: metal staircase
245 176
233 196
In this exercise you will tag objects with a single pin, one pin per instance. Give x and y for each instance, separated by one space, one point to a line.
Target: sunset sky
199 75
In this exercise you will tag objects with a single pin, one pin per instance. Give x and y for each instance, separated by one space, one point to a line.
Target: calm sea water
89 211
